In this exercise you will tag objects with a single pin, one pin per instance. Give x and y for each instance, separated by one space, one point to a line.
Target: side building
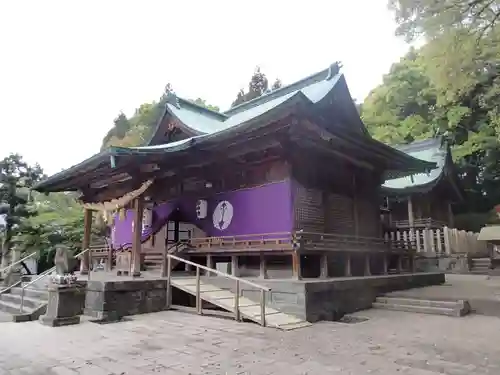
423 200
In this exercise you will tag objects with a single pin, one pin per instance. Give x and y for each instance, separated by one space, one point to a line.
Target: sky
67 68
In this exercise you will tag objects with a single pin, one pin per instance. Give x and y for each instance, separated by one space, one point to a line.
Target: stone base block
59 322
103 316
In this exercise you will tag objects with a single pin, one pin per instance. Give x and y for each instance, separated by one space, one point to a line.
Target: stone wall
449 264
111 300
330 299
316 300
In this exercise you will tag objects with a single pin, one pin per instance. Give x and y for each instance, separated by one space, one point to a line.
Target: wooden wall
345 202
227 177
432 205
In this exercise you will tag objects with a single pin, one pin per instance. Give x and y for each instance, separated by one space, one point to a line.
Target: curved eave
447 173
414 189
63 181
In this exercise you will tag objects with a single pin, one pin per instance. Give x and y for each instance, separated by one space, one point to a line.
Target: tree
139 128
16 180
277 84
258 86
203 103
432 18
412 104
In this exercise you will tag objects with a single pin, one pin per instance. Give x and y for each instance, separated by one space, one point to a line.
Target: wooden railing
420 223
338 242
444 241
244 240
237 280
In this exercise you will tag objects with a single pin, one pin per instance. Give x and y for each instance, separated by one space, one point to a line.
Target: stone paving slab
173 342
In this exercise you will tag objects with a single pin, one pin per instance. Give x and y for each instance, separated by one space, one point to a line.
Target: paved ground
459 287
180 343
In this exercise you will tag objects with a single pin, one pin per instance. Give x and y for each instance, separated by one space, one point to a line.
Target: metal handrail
11 286
43 275
17 262
237 316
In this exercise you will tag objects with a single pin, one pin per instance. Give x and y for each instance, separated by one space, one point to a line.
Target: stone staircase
423 306
480 266
249 309
34 305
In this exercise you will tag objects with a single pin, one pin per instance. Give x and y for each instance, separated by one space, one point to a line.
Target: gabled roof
326 84
434 150
322 97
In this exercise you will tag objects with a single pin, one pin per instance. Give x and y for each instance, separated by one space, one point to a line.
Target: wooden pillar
136 239
399 266
87 230
348 272
235 270
210 264
368 271
324 266
263 267
411 218
296 267
385 264
355 206
451 217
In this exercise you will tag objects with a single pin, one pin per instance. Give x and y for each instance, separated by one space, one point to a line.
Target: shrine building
283 187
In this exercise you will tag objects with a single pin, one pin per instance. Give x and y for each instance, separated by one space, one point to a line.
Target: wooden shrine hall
423 200
284 186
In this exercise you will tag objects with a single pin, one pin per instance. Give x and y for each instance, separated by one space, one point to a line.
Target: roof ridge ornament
333 70
172 99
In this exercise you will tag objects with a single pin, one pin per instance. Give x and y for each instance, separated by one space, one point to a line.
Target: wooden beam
263 267
355 205
324 266
296 266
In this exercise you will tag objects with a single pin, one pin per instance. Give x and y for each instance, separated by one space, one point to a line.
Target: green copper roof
199 120
323 96
433 150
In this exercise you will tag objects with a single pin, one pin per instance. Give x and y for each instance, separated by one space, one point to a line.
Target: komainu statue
62 263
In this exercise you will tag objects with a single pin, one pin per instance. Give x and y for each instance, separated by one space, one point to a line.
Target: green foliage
258 86
16 180
432 18
138 129
59 220
203 103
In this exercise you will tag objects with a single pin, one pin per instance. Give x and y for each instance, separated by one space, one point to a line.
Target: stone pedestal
123 263
65 305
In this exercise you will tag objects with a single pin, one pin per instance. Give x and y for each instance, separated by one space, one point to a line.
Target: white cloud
67 67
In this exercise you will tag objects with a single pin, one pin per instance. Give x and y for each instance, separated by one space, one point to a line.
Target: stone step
481 260
481 273
451 308
32 293
13 308
416 302
29 302
415 309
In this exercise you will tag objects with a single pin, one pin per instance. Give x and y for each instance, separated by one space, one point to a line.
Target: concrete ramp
249 309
